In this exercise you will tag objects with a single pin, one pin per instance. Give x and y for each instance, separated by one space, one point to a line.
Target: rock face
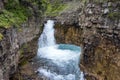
11 43
101 40
13 38
98 34
1 5
68 34
26 67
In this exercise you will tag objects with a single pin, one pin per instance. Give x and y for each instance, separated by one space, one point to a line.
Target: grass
1 36
11 18
13 14
52 8
54 11
114 15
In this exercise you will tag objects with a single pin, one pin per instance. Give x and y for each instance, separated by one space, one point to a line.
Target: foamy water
59 61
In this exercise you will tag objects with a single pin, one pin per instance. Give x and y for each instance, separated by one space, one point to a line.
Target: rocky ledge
98 33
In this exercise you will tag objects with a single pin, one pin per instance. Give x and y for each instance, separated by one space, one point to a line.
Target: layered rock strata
99 36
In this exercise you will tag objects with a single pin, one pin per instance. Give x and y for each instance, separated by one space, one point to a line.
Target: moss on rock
13 14
1 36
114 15
53 8
16 12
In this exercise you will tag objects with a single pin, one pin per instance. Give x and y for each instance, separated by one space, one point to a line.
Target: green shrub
52 8
11 18
13 14
16 13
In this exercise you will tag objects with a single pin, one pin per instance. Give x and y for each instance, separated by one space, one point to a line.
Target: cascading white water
57 61
47 37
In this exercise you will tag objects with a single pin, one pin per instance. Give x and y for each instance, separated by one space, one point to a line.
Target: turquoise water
69 47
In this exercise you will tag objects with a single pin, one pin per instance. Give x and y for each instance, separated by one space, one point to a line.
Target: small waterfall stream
58 61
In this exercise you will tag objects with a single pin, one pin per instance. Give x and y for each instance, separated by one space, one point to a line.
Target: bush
13 14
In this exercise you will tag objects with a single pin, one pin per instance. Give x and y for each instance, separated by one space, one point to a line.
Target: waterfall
47 36
57 61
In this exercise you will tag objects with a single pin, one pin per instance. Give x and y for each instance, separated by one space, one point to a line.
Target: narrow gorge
83 45
57 61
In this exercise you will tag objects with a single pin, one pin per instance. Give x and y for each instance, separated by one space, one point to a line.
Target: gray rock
106 11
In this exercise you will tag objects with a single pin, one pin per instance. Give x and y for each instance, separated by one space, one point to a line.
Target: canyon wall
101 40
93 25
13 38
10 45
97 31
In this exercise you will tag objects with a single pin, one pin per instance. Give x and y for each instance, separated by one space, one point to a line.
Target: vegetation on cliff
13 14
53 9
16 12
1 36
114 15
